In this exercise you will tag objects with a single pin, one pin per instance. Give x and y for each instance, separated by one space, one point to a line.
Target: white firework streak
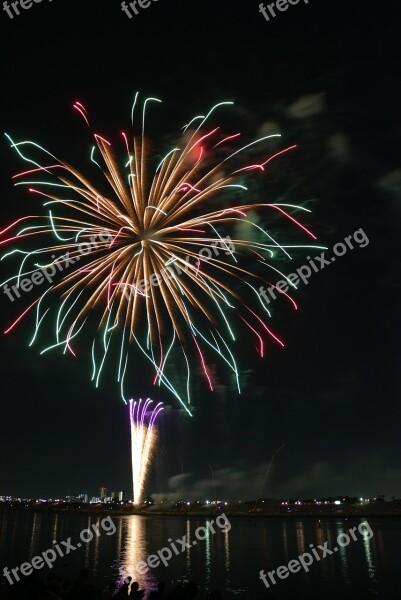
143 442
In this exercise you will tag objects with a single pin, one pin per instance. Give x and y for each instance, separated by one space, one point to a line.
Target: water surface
229 561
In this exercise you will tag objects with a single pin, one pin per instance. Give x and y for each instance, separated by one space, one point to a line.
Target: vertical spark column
143 442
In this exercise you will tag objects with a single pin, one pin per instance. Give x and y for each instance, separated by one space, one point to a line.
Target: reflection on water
188 550
285 542
87 547
54 527
134 550
300 537
96 545
367 543
369 558
208 560
229 561
321 536
342 551
35 535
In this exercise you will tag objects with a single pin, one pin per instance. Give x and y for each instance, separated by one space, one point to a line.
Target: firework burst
148 225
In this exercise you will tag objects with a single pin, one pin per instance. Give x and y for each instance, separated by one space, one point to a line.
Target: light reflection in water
13 525
3 529
54 528
342 551
369 558
300 537
328 537
227 560
87 546
301 543
188 550
372 571
96 545
285 540
208 562
357 569
135 550
321 537
119 534
37 519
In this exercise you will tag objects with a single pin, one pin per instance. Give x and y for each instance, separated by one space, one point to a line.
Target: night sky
327 74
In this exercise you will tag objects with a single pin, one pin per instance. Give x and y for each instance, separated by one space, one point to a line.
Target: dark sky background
327 74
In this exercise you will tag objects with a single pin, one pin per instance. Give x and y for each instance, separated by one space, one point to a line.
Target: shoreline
210 514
